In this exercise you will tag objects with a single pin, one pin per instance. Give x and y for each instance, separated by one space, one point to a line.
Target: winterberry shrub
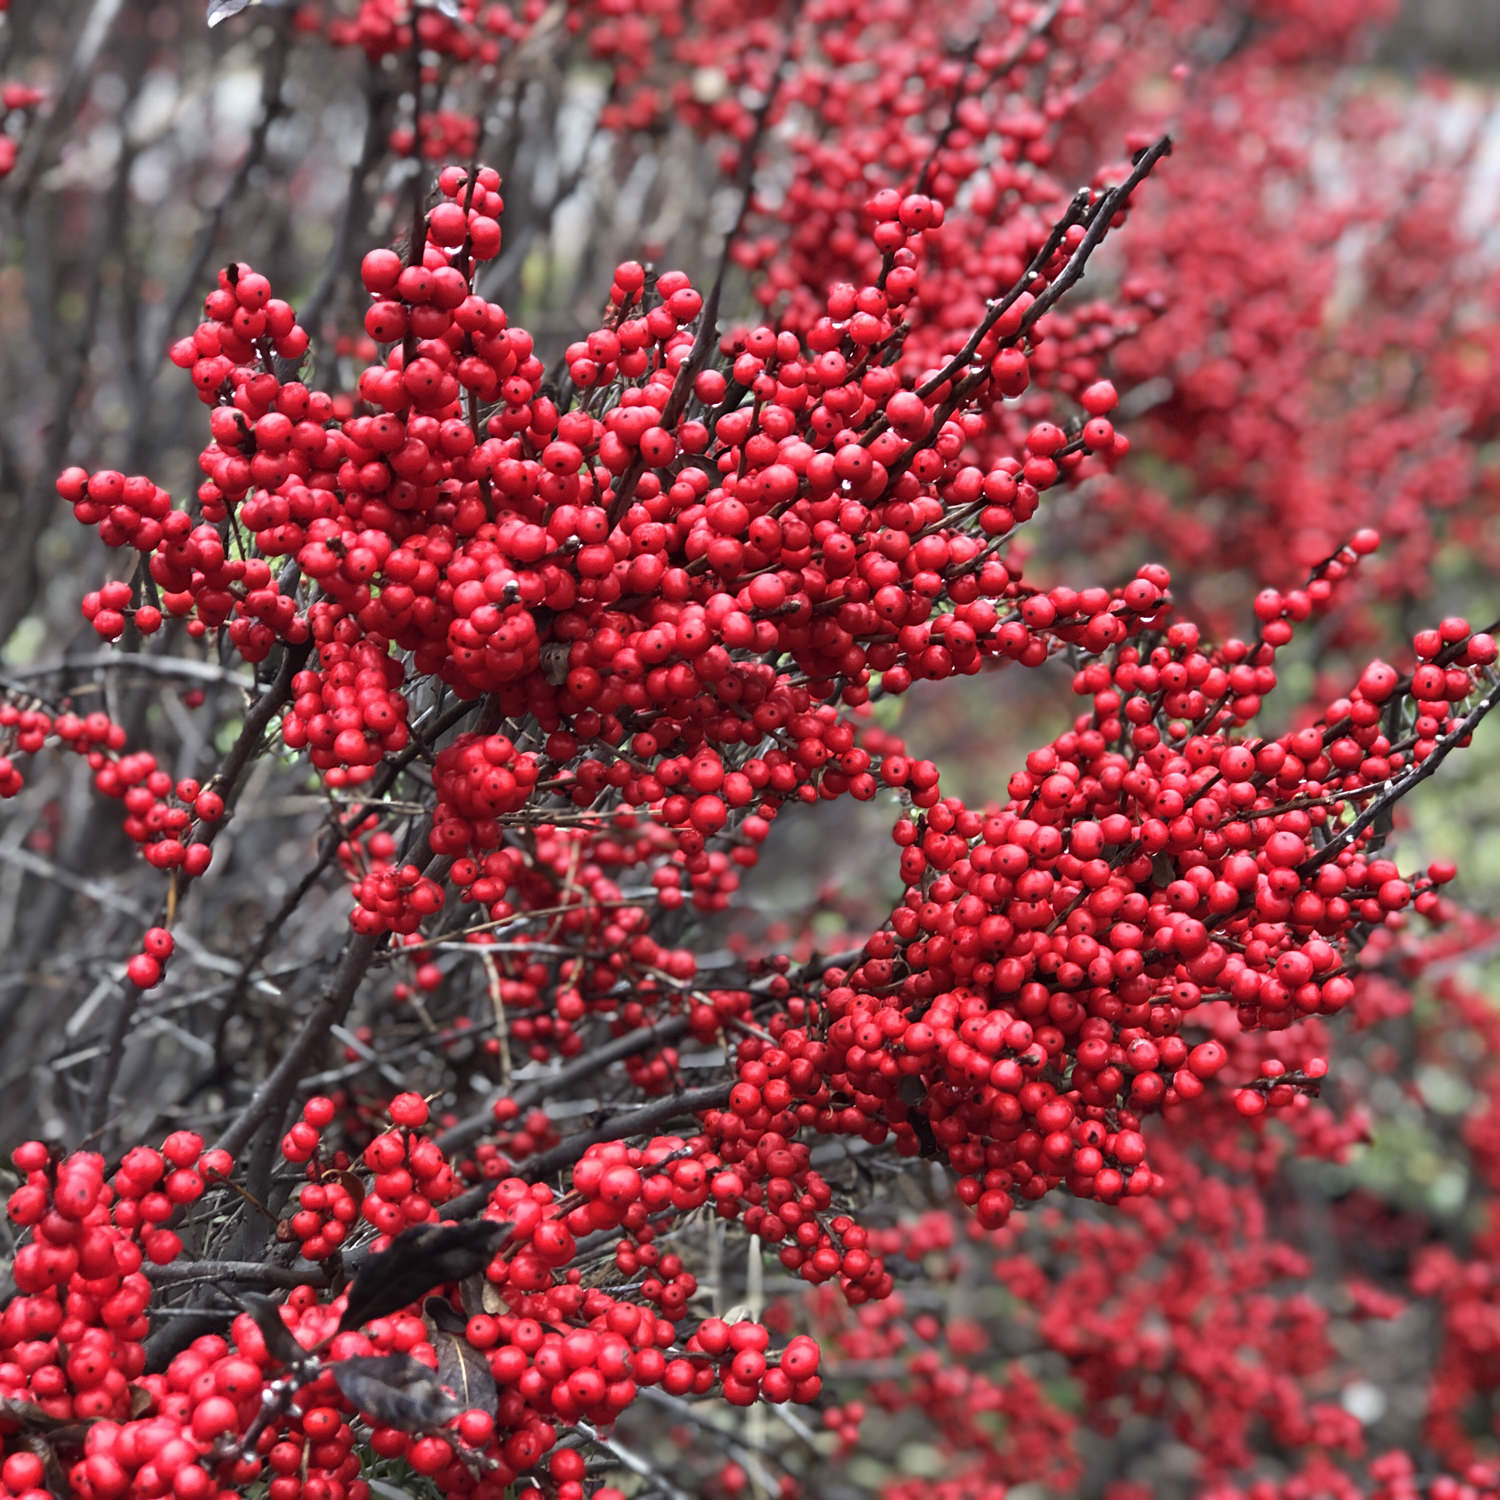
419 1103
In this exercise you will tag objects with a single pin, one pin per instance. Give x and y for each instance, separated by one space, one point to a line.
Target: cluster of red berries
944 144
1121 897
171 821
349 714
71 1338
478 779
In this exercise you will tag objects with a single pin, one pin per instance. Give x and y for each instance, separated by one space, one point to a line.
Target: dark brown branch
271 1099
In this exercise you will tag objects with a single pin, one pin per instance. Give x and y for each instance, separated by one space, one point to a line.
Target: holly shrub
405 1097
